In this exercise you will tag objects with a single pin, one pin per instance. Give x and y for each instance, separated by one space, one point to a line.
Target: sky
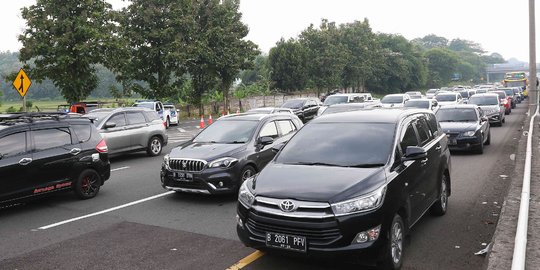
497 25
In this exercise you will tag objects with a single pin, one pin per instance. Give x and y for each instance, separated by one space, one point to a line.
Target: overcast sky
498 25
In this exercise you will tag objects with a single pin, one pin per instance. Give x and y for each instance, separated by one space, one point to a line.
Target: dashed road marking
118 169
247 260
104 211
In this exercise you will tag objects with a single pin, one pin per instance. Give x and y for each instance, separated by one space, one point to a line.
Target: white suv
158 107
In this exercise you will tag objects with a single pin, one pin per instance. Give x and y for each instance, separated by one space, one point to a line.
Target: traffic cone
210 120
201 124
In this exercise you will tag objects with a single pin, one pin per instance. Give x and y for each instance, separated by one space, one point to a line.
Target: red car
505 100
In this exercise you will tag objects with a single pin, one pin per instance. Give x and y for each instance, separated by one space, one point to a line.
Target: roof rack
31 116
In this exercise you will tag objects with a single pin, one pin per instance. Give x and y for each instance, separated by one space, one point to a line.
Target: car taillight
102 146
165 124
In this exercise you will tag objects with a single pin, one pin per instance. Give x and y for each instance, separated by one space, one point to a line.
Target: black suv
41 153
223 155
351 183
305 108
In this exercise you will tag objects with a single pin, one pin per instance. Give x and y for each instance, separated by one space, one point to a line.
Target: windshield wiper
316 164
367 165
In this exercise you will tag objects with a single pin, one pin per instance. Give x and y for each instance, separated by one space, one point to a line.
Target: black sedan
226 153
466 126
305 108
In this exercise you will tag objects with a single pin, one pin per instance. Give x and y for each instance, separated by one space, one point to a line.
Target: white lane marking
105 211
121 168
181 129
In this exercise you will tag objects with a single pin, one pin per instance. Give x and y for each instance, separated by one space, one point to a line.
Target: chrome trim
304 209
301 204
190 190
271 211
192 162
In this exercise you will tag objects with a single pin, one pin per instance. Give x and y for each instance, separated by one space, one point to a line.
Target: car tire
87 184
393 252
480 148
503 120
155 145
441 205
488 141
246 173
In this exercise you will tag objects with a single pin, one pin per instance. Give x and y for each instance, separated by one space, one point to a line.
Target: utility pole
533 89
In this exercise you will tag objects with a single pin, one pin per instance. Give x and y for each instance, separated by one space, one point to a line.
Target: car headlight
166 159
225 162
469 133
364 203
245 197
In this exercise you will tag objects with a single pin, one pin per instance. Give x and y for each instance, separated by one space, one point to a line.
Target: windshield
392 99
484 101
227 131
509 92
515 84
424 104
340 144
335 100
97 116
464 94
446 97
456 115
502 94
144 105
293 104
431 91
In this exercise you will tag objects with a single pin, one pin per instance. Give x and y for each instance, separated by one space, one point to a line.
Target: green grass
48 105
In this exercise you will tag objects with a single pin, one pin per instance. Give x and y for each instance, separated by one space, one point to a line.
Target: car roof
346 95
377 115
345 105
459 106
121 109
252 116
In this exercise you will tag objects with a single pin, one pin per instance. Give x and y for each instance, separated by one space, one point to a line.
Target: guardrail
520 243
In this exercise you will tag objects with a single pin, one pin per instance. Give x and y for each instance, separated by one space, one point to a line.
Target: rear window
340 144
446 97
83 132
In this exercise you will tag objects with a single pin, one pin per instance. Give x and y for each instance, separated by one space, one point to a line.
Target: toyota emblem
287 206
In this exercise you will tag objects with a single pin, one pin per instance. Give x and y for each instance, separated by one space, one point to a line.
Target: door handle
25 161
423 162
438 148
75 151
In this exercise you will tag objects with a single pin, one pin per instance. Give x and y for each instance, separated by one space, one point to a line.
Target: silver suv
130 130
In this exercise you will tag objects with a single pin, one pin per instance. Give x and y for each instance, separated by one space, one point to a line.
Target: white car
157 106
449 98
173 113
394 100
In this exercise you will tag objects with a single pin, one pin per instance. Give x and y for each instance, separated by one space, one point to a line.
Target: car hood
316 183
441 103
487 108
458 126
205 151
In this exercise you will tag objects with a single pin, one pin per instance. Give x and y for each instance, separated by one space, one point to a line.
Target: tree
459 45
288 62
260 71
65 40
442 64
431 41
152 45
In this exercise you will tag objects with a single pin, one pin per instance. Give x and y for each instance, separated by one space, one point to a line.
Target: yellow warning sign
22 83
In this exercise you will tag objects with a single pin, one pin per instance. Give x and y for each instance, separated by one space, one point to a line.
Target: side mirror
414 153
266 140
483 119
109 125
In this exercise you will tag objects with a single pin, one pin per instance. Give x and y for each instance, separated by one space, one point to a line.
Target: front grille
187 165
195 184
316 232
452 134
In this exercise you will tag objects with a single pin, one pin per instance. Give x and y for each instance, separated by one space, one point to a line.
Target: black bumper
466 143
208 181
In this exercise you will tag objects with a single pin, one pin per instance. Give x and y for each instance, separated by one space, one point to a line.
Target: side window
423 131
151 116
83 132
286 126
118 119
408 138
135 118
269 130
51 138
159 107
13 144
433 125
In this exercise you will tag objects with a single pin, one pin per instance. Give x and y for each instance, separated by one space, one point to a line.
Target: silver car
130 130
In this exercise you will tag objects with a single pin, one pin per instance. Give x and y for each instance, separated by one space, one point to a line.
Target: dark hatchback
227 152
305 108
350 183
42 153
466 126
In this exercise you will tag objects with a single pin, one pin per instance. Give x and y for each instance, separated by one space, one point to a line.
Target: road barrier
520 243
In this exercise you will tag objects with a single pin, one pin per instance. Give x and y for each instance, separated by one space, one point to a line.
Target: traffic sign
22 83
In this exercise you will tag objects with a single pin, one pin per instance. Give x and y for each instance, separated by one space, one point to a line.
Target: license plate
188 177
452 141
285 241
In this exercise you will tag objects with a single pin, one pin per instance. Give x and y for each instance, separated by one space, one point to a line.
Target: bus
515 79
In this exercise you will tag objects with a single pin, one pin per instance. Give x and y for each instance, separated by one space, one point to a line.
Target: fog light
220 184
95 157
369 235
239 221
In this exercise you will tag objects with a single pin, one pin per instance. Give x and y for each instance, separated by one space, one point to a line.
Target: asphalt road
184 231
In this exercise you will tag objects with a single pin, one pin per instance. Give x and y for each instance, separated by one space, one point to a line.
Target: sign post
21 84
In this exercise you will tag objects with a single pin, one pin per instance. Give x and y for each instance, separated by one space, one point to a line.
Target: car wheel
503 120
154 146
87 184
168 122
441 205
480 148
393 257
246 173
488 141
